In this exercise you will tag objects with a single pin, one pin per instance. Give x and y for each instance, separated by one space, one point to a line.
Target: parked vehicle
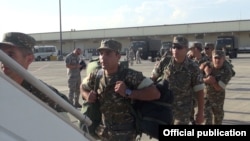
148 47
46 52
165 48
229 44
244 50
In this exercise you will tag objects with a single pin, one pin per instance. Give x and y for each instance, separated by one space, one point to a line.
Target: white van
45 52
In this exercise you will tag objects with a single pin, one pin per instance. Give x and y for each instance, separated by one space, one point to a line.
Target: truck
165 48
148 47
228 43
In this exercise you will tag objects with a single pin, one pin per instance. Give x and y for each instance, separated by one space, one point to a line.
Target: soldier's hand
199 119
202 66
120 88
207 70
92 97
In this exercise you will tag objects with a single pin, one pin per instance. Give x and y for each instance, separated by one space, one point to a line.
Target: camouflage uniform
203 59
138 57
214 112
118 122
131 57
74 78
43 97
184 80
93 65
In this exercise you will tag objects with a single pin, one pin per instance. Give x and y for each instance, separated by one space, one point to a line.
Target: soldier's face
208 51
109 59
179 51
19 57
218 61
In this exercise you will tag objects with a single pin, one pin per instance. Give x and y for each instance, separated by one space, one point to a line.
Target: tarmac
237 101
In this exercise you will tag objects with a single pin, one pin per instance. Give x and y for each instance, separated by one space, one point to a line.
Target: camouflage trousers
214 113
138 60
74 90
182 117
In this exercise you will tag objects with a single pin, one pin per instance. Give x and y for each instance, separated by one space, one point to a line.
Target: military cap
110 44
180 40
218 53
18 39
209 45
197 45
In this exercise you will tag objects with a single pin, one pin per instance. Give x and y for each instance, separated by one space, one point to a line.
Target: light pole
60 28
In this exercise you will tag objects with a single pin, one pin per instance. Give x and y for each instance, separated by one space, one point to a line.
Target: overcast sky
37 16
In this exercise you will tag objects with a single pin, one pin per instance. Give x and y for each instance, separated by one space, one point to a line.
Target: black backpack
150 114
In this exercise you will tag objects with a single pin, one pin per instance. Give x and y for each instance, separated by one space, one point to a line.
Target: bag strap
99 74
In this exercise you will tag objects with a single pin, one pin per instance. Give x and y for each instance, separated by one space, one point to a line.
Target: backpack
83 64
148 114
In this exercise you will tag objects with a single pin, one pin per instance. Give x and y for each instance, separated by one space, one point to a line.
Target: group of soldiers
210 74
131 56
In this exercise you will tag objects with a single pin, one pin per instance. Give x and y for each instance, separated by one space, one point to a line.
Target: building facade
89 40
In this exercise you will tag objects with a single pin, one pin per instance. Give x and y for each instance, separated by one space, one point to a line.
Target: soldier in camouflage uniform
74 76
209 47
131 56
19 47
195 50
117 87
185 80
218 75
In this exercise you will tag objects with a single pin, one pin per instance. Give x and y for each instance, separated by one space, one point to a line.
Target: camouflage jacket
43 97
183 79
222 76
115 109
73 59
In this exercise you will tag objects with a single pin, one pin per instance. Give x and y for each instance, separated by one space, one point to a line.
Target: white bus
45 52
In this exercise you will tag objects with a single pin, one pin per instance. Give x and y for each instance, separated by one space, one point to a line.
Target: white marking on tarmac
40 68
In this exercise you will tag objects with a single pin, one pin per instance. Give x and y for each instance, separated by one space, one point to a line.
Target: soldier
74 76
131 56
19 47
116 88
218 75
209 47
185 80
138 56
195 54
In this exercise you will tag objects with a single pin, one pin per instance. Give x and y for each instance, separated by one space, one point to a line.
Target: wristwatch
128 92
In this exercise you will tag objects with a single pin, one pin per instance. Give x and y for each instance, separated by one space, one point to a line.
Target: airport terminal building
89 40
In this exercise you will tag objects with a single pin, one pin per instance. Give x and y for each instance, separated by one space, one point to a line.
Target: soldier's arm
144 91
146 94
86 90
70 65
200 111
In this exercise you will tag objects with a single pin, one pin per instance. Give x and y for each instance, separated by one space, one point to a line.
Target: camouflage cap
18 39
111 44
209 45
180 40
196 44
218 53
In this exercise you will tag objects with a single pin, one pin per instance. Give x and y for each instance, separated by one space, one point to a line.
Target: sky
41 16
